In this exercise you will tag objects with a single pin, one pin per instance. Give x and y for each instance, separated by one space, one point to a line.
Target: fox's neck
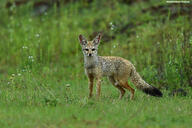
90 61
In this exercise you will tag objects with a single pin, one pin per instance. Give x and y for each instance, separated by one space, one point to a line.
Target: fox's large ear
97 39
82 40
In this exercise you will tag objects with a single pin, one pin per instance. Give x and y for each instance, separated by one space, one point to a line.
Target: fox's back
112 65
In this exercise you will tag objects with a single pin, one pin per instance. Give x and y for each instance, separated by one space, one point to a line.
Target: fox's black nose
89 54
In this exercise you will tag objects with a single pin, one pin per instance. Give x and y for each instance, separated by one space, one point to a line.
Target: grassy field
43 101
42 80
33 100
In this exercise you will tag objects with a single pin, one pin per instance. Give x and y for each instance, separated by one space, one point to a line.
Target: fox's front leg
91 79
98 79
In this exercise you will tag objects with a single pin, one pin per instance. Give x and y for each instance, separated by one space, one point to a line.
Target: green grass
44 101
42 80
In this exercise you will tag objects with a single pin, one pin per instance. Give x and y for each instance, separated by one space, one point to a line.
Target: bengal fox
117 69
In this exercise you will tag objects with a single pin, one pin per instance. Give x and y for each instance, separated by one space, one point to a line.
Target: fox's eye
86 49
93 49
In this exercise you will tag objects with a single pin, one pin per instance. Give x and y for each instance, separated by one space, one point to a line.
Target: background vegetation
42 81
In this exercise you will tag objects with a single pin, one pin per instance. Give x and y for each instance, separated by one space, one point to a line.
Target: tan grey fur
117 69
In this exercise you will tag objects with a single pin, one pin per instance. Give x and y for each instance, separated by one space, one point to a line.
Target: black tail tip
153 92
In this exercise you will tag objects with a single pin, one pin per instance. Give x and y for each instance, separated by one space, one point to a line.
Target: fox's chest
90 71
95 71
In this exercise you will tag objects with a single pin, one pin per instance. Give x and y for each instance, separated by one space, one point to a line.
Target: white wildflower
24 47
67 85
30 57
37 35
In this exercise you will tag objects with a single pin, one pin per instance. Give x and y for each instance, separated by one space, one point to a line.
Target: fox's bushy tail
142 85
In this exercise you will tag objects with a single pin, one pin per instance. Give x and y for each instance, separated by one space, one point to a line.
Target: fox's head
90 48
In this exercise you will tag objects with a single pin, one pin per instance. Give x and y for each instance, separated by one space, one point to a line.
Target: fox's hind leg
116 84
125 84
